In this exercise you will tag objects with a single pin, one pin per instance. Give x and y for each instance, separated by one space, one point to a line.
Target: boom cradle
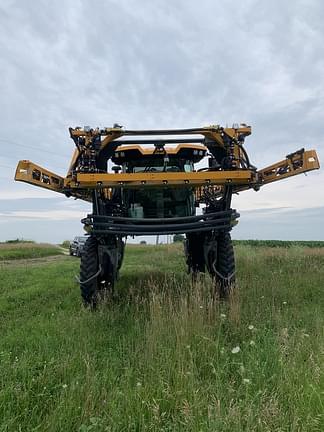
155 188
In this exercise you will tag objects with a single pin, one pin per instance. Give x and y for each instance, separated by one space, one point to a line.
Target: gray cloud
162 64
287 224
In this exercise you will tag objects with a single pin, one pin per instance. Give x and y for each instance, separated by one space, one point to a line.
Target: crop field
11 251
163 355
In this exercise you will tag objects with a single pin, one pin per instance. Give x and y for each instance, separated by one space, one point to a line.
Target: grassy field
280 243
11 251
163 356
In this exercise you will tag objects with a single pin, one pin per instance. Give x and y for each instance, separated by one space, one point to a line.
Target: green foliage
66 244
26 250
163 356
280 243
178 238
17 240
95 424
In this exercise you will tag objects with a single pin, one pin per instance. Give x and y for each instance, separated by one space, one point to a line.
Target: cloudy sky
155 64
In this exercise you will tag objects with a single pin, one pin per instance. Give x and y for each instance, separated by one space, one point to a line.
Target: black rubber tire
88 267
225 264
195 254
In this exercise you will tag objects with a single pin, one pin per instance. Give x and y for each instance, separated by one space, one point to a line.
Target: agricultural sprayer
146 182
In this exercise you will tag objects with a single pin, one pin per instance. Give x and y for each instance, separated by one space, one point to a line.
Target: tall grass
280 243
164 355
12 251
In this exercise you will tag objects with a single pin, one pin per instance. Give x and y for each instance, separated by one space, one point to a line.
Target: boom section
132 180
31 173
295 163
228 161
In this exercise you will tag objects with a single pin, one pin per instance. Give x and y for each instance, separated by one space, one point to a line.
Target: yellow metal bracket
296 163
31 173
136 180
213 133
81 184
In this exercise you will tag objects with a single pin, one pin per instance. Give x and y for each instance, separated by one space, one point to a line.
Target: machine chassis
208 243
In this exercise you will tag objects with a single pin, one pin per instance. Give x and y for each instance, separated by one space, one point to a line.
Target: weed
165 355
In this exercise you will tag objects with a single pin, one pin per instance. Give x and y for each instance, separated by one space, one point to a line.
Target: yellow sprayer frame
80 184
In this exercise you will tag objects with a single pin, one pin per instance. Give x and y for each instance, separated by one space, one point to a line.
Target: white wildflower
236 350
138 384
284 332
64 386
246 381
252 343
284 302
223 316
251 327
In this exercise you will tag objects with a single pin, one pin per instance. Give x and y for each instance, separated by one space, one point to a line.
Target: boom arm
31 173
28 172
295 163
229 163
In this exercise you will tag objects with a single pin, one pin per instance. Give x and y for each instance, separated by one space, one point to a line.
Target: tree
178 238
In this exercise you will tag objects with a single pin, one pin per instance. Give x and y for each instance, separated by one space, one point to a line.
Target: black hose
205 216
149 228
224 228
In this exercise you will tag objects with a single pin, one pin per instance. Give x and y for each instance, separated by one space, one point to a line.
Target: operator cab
135 158
164 201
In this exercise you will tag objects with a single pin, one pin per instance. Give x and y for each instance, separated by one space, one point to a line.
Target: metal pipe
162 141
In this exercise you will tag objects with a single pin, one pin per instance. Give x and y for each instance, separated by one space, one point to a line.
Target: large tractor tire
89 266
121 253
225 267
214 253
96 281
194 251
